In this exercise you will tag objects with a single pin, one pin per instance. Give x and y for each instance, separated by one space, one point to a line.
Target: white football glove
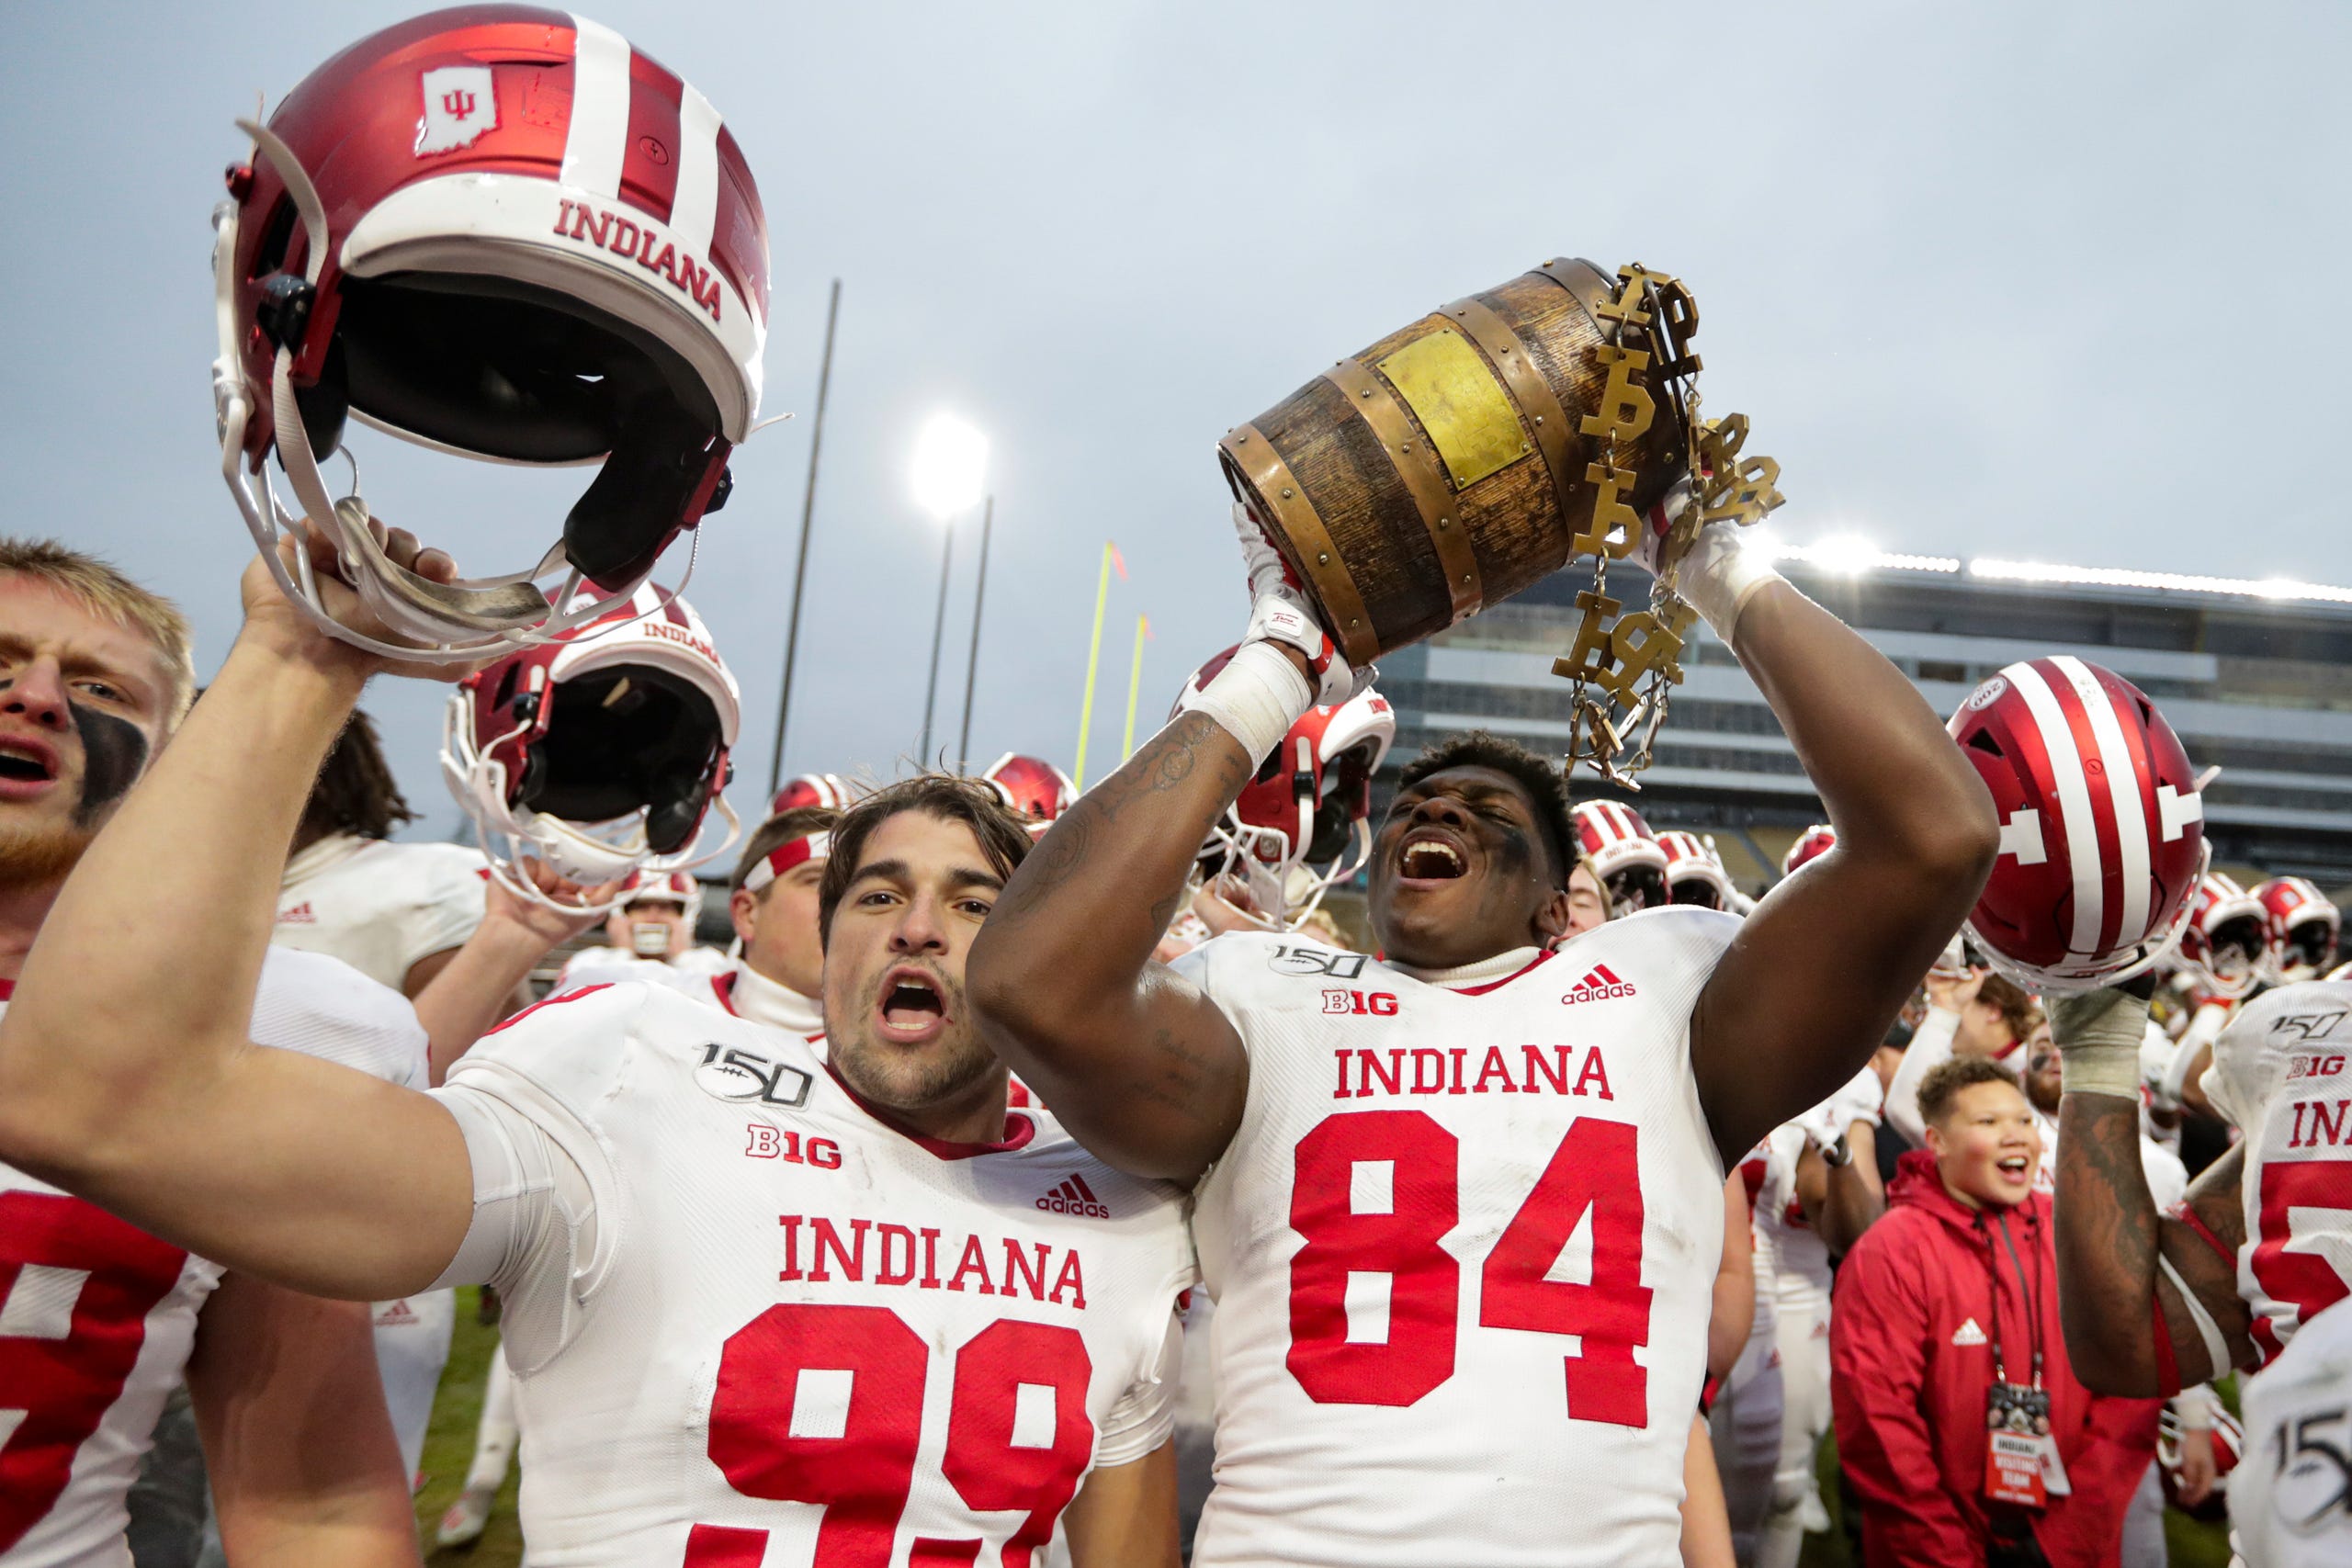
1280 612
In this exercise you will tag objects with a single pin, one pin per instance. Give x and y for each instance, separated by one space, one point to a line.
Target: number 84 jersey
1464 1247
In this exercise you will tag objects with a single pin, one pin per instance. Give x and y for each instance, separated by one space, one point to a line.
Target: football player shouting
760 1305
99 1321
1394 1157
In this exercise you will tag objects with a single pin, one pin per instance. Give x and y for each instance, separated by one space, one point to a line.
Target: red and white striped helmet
1811 845
828 790
1624 852
1303 825
2304 926
1032 786
2227 940
677 886
599 752
1694 871
2102 828
499 231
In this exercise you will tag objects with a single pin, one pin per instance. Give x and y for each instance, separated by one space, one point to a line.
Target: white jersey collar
1485 971
752 995
316 857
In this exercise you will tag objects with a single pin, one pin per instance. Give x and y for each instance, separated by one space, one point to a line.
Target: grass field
449 1448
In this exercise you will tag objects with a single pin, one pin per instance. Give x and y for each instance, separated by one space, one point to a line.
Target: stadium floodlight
951 466
2117 577
1848 554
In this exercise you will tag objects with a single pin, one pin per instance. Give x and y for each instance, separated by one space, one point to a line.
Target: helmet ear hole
1982 741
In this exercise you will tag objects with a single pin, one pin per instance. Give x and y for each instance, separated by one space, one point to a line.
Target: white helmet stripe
2074 803
598 139
693 208
2123 790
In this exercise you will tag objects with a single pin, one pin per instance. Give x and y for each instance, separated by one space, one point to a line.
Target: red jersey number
823 1405
2296 1275
76 1285
1360 1230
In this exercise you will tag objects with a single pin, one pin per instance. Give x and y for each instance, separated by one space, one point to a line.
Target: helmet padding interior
626 739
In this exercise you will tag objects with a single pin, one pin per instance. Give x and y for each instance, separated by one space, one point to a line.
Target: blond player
760 1305
99 1320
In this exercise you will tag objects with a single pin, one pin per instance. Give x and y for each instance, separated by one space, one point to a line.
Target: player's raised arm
2146 1300
1820 969
127 1075
1138 1063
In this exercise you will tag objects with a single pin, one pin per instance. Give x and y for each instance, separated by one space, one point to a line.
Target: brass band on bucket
1417 464
1254 457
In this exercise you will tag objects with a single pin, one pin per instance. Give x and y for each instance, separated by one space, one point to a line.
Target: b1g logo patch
731 1073
1301 961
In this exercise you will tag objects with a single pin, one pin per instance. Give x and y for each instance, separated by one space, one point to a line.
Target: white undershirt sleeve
1146 1415
1931 1048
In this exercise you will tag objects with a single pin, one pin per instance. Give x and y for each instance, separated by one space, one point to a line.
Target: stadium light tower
951 470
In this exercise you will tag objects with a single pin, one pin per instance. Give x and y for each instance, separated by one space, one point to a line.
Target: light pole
808 512
972 662
950 471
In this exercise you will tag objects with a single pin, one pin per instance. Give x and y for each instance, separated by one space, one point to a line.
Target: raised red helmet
2303 928
1032 786
1304 820
644 886
600 751
1811 845
2102 828
501 232
827 790
1694 871
1624 852
2226 942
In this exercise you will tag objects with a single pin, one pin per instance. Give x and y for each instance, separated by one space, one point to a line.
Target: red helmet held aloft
499 231
599 752
2304 927
645 887
2227 940
1624 851
1033 787
2102 828
1694 871
1811 845
827 790
1304 823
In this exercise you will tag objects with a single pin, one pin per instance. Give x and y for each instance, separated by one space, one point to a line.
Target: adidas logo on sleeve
1602 985
1074 1197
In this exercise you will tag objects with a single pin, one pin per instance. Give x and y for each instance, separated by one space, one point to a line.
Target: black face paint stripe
114 753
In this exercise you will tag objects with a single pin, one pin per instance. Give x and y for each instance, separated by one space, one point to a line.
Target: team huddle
1022 1130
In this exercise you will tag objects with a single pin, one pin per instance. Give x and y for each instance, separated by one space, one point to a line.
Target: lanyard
2032 1306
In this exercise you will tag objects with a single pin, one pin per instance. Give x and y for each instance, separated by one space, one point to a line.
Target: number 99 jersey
2278 1074
1464 1248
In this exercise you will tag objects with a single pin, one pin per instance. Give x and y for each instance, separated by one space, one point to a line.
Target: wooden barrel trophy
1458 459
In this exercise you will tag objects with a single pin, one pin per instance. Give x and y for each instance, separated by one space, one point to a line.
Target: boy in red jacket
1959 1420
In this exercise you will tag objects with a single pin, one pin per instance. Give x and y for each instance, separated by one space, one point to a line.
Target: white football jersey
735 988
97 1317
2290 1496
1463 1246
2278 1076
380 906
610 965
786 1332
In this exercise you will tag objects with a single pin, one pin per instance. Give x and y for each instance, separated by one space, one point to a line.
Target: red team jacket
1910 1348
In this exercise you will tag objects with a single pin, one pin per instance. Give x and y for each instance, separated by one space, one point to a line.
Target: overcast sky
2062 282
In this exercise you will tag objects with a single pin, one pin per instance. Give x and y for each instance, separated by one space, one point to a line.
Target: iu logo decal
460 103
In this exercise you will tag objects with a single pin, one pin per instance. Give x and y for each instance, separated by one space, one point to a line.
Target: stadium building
2255 676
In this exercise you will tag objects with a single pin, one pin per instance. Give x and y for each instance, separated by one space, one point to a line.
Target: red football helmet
2304 925
599 752
1694 871
1811 845
827 790
1624 852
1303 825
677 886
1032 786
499 231
2227 940
2102 828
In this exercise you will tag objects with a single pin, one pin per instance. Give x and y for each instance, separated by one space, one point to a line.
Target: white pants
412 1347
1801 1309
1744 1427
497 1432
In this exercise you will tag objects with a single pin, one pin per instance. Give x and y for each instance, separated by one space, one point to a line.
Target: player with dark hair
1380 1384
758 1301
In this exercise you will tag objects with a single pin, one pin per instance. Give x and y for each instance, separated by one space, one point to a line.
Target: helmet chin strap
451 622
